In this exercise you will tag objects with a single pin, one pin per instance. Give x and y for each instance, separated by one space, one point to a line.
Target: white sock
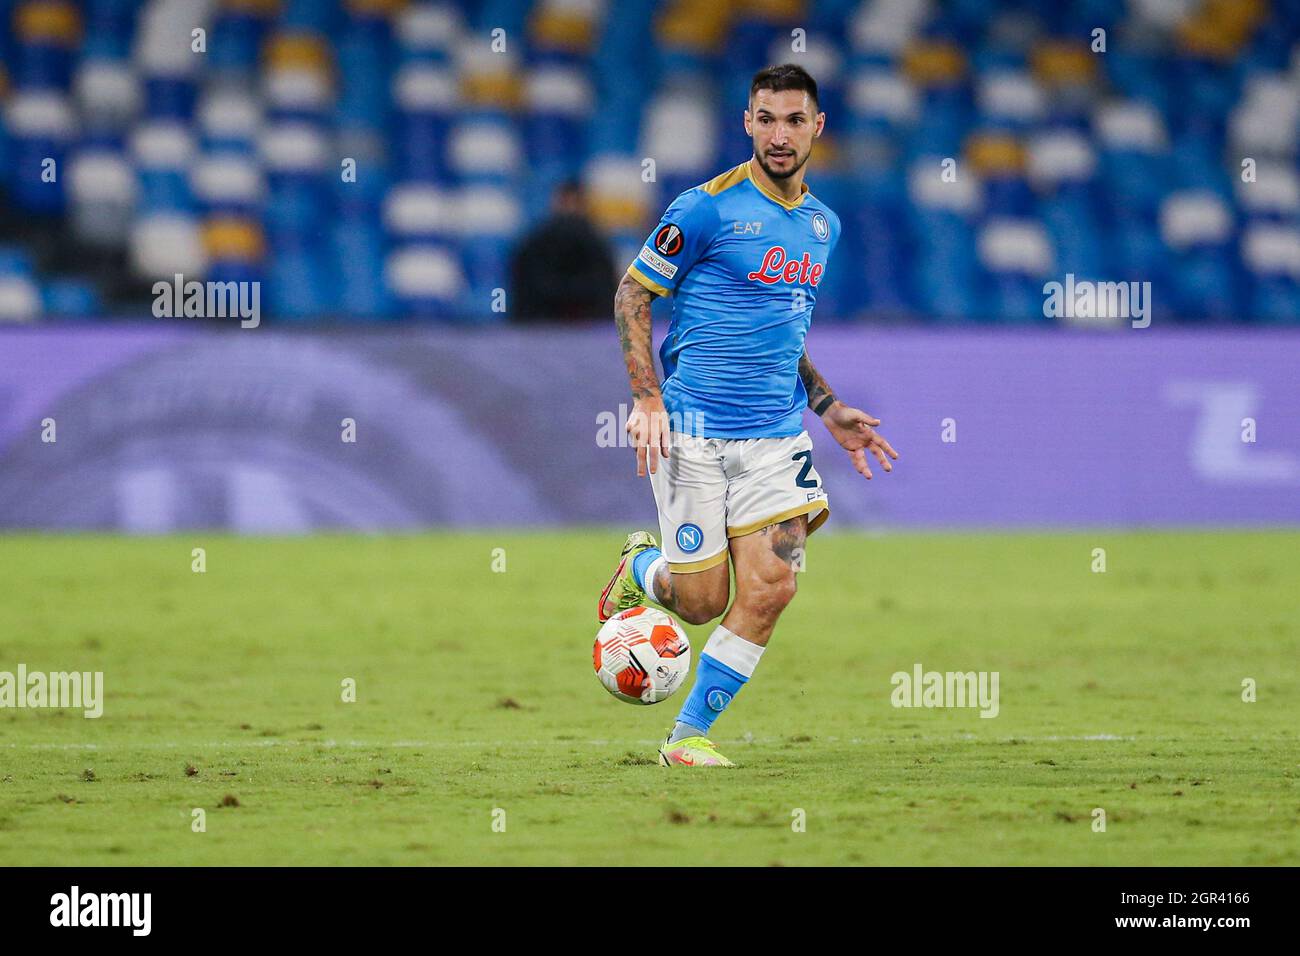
729 648
650 573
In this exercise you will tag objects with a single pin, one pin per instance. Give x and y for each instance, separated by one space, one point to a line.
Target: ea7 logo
103 909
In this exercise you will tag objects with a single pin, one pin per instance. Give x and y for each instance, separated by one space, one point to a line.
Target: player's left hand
855 430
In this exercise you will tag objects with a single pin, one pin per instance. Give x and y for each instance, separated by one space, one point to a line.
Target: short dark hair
787 76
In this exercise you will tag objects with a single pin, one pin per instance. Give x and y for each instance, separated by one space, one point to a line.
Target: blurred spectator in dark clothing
562 270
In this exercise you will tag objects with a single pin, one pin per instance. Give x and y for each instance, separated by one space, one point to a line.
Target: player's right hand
855 430
649 430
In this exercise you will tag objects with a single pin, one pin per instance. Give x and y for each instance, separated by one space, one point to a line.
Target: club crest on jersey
821 227
668 240
778 268
690 538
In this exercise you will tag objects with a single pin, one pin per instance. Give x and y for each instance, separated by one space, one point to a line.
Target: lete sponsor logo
778 268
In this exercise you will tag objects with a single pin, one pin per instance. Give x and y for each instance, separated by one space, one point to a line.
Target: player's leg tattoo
788 539
765 577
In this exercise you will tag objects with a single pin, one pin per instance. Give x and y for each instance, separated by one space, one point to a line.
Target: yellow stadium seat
260 8
1064 63
553 28
617 213
232 237
297 50
995 154
55 22
933 63
694 25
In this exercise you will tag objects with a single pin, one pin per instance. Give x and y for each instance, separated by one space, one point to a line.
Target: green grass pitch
223 691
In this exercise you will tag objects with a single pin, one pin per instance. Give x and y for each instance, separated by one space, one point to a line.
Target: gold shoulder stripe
732 177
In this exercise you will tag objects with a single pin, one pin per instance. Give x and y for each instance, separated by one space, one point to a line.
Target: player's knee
702 608
782 592
693 614
769 597
700 605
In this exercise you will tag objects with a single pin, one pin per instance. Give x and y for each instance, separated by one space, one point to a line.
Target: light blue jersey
743 266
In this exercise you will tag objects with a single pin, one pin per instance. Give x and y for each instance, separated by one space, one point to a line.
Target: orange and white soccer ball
642 655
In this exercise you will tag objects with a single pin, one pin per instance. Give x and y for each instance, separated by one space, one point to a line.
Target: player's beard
786 173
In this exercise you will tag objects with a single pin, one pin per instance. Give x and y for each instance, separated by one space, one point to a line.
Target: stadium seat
102 189
318 125
1018 257
1271 253
42 125
426 280
70 298
1198 227
20 295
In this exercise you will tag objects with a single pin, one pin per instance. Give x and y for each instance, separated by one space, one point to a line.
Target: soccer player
723 441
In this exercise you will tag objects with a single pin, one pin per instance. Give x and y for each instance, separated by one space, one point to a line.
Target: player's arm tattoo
813 383
632 316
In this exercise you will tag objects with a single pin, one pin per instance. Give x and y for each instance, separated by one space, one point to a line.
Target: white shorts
710 490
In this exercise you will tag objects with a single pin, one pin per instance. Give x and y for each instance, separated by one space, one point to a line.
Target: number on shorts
801 480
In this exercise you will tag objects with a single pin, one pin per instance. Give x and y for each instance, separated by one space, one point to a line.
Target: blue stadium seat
69 298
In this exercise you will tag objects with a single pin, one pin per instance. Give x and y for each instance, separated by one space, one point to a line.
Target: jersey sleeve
682 237
836 229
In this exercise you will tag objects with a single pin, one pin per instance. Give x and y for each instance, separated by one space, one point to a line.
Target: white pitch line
413 744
